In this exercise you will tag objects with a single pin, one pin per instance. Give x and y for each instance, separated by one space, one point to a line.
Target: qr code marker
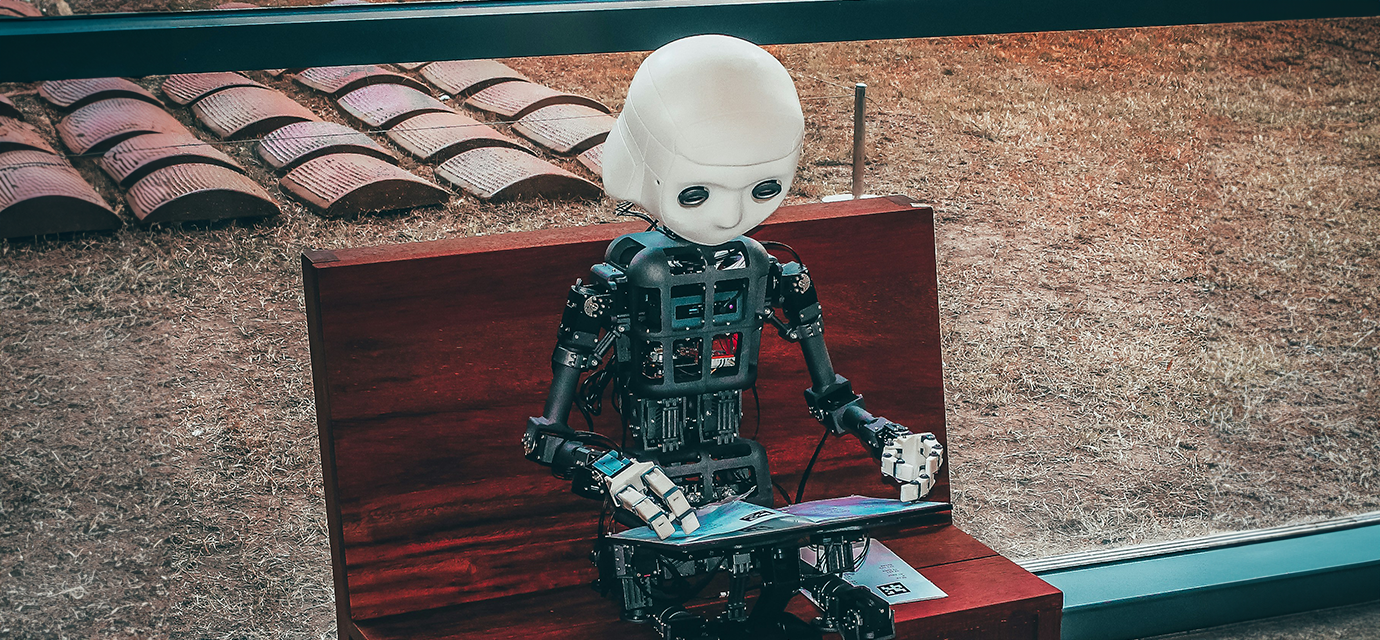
893 589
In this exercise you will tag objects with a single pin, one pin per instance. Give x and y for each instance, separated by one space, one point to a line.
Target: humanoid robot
707 144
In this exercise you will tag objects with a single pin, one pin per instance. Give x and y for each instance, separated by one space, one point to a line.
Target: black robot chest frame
694 311
689 320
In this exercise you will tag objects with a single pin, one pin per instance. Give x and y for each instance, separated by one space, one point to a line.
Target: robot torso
691 325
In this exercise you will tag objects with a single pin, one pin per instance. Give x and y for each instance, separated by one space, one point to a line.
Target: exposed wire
867 546
589 420
818 549
827 81
625 208
599 438
782 490
805 477
590 398
601 532
782 246
756 402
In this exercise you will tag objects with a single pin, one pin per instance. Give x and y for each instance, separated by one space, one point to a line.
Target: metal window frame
140 44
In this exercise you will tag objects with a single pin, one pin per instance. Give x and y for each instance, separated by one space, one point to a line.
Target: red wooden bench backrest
428 358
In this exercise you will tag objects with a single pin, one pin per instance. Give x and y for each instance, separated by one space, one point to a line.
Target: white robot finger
934 453
917 488
625 479
622 472
671 494
914 447
891 454
900 456
646 509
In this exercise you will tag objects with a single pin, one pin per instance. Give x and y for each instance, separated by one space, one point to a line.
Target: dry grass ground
1158 272
1355 622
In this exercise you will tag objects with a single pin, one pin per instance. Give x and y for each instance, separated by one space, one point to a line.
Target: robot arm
597 469
548 440
911 459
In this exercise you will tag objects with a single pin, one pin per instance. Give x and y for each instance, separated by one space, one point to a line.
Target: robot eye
766 190
693 196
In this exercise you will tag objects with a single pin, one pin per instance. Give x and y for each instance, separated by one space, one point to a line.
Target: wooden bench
428 358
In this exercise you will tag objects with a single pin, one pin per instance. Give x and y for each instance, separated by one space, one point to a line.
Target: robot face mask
708 139
713 204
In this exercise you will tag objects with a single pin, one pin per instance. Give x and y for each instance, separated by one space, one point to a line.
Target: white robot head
708 139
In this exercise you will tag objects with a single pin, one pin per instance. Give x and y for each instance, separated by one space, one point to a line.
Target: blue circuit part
611 463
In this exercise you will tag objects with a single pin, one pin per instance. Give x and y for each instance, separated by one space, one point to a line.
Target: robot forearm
912 459
565 381
843 411
549 441
830 396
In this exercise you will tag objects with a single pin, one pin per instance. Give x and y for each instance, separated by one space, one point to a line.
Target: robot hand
913 459
644 489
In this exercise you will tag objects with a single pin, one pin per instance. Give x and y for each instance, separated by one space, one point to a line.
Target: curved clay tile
383 105
593 159
99 126
131 160
517 99
186 88
294 144
339 81
499 173
18 9
41 194
75 94
248 112
461 78
345 184
16 135
565 128
24 158
184 192
439 136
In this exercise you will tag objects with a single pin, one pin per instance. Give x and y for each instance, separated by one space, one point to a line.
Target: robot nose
727 215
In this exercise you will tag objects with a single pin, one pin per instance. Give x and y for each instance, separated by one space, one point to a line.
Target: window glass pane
1157 270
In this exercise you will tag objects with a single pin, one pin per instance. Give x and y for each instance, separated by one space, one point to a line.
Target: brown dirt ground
1158 280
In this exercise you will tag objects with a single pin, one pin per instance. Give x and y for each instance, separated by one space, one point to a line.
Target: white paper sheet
887 575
